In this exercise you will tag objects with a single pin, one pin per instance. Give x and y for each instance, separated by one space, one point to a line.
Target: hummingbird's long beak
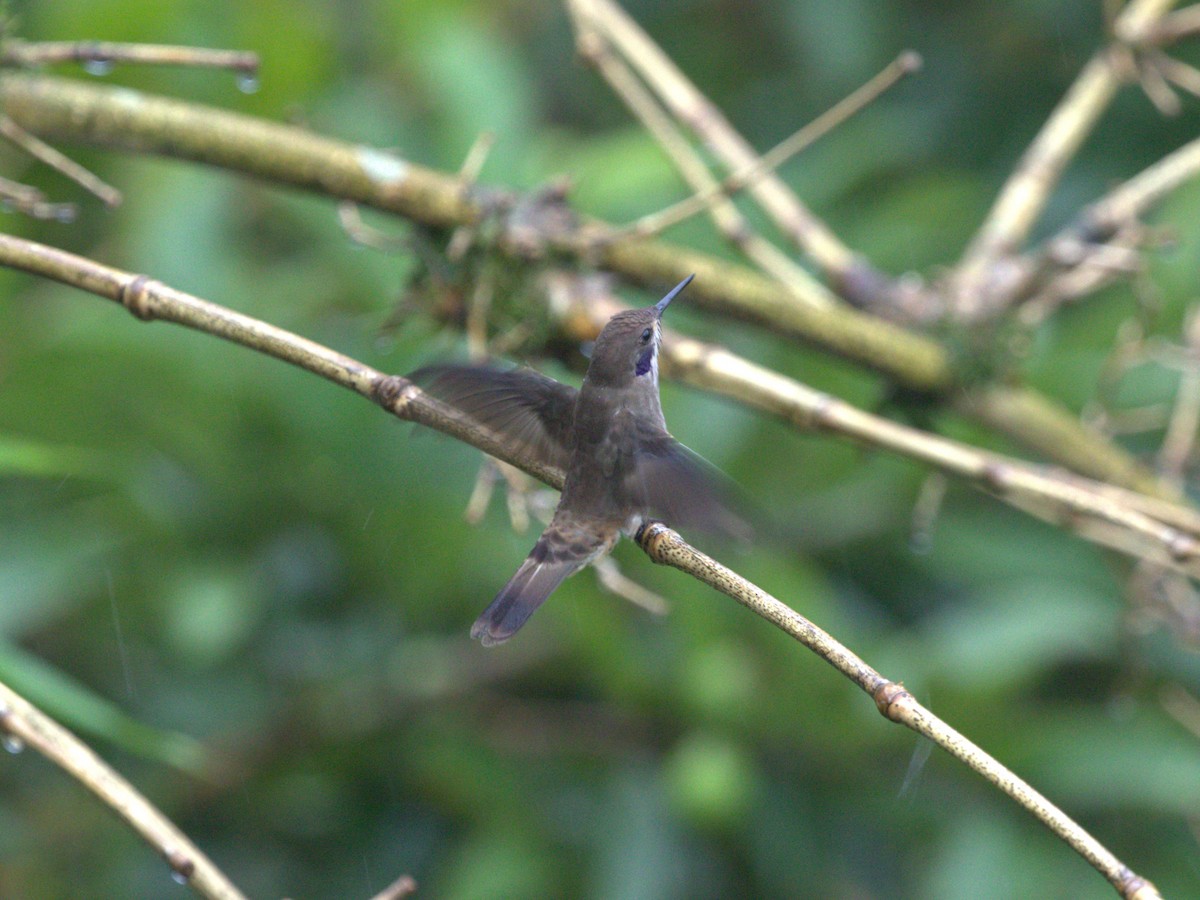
661 305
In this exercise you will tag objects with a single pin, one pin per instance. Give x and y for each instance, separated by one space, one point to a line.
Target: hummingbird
622 466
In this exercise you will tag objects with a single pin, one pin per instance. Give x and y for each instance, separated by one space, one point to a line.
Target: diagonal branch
129 120
666 547
1028 188
26 725
728 219
1144 527
40 150
150 300
691 107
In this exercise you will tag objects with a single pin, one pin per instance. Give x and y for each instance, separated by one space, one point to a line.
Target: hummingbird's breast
601 483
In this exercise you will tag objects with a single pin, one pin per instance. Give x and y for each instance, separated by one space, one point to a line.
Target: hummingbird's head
627 349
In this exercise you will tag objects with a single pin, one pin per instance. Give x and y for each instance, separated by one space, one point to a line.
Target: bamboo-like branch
1140 526
666 547
1028 188
151 300
125 119
26 726
61 109
653 223
729 221
690 106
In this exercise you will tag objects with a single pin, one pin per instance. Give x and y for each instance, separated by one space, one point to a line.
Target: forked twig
43 152
654 223
595 48
1028 188
689 106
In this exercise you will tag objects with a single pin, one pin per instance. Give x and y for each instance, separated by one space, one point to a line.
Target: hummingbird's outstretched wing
680 487
528 408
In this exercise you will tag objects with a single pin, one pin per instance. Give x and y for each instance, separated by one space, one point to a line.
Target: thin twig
691 107
666 547
61 108
100 56
728 219
402 887
464 236
1104 241
150 300
654 223
1131 200
25 725
1028 188
33 202
1180 438
1175 26
43 152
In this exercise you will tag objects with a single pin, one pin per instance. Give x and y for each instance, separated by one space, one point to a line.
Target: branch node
1135 887
994 476
887 695
822 412
137 296
652 537
389 391
183 867
1182 547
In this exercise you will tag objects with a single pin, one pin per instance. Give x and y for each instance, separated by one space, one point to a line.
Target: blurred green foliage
251 591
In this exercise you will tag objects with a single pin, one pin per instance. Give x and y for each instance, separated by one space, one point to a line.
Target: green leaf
78 708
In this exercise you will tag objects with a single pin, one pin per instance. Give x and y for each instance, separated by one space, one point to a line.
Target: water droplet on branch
98 65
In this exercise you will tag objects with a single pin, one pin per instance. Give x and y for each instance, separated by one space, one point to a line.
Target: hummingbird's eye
646 334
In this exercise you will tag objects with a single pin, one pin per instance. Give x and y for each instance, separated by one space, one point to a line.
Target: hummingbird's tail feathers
536 580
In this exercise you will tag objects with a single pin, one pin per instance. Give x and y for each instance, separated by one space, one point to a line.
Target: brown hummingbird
622 465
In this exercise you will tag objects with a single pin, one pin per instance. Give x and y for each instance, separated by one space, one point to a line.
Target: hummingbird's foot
612 578
640 533
525 500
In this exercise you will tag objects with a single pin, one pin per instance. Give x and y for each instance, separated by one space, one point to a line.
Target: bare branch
40 150
666 547
402 887
28 726
98 57
729 221
151 300
688 105
133 121
1027 189
655 223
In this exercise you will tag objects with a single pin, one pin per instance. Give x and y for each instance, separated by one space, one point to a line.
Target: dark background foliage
215 563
